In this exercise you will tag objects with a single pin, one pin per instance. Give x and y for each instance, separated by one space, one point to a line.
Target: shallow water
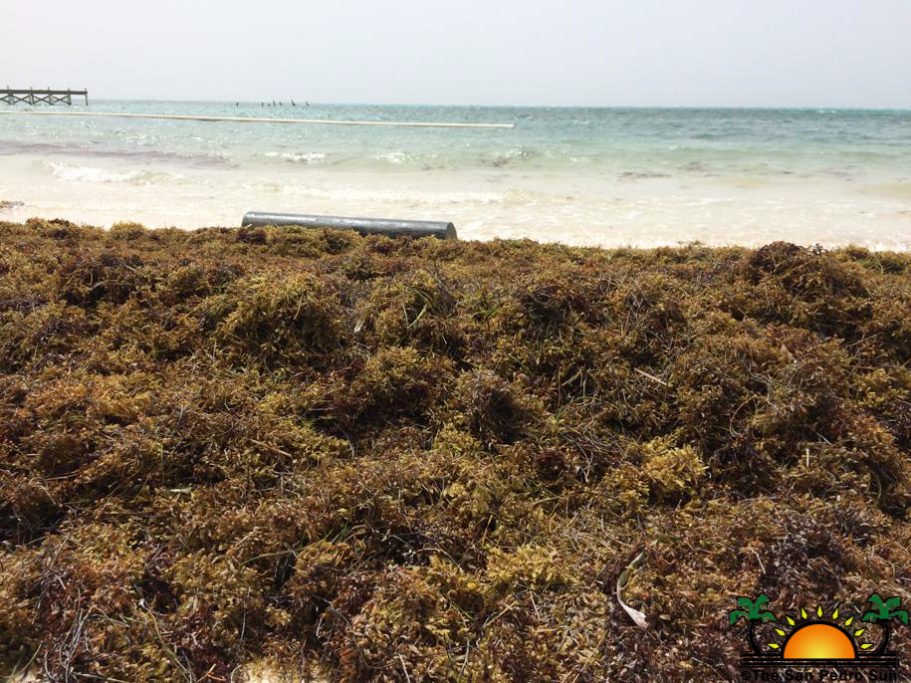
582 176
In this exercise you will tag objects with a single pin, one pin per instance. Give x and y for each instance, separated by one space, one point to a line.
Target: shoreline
602 210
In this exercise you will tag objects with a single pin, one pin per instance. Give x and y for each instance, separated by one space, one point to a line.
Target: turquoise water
577 175
760 142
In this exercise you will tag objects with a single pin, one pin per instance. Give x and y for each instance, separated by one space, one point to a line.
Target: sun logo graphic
817 646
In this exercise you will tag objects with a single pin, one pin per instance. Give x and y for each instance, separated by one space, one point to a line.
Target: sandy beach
581 211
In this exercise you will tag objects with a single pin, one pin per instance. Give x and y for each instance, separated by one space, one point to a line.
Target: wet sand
587 209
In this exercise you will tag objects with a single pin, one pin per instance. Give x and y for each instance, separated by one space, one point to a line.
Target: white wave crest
96 174
298 157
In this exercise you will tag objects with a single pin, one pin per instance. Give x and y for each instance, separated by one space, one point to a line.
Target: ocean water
606 177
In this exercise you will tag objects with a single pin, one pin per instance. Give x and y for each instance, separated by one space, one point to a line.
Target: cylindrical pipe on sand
365 226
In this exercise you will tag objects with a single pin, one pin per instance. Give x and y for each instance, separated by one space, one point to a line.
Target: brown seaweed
414 460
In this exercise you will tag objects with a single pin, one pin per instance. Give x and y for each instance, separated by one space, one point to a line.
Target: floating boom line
259 119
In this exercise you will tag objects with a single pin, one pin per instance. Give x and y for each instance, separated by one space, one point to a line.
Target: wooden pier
48 96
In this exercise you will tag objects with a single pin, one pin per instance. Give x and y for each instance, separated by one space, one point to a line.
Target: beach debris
390 227
622 580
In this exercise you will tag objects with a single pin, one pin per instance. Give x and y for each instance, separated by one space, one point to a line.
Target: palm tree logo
885 612
811 638
751 610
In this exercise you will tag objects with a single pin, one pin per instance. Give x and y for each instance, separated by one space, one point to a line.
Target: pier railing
47 96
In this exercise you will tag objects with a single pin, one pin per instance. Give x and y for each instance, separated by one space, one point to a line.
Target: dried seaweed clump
373 459
294 318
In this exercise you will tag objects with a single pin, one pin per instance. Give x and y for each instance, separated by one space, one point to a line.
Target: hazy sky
847 53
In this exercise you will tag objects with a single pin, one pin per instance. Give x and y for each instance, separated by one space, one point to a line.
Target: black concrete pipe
365 226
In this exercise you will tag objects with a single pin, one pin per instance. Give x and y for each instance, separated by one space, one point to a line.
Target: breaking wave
96 174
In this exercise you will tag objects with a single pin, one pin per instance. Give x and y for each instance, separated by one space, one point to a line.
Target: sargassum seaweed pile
366 459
